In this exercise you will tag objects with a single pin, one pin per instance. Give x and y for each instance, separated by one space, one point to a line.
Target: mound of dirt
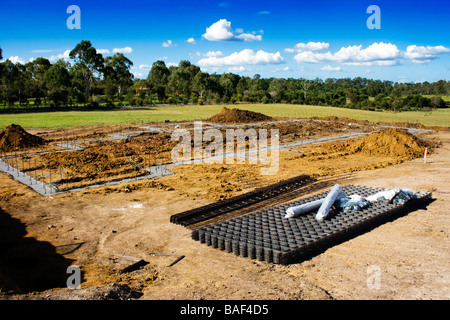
394 143
16 138
238 116
391 142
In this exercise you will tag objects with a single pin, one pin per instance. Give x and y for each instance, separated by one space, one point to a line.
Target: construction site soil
41 236
16 138
236 115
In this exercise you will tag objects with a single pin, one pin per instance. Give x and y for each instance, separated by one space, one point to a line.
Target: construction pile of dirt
394 143
16 138
238 116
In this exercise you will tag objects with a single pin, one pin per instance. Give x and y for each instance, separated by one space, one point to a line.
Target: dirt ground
91 228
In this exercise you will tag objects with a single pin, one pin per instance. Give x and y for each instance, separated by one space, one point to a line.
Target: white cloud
263 13
16 59
422 54
311 46
249 37
221 31
276 70
171 64
103 51
244 57
213 54
377 54
123 50
237 69
145 67
64 56
312 57
330 68
421 61
168 44
138 75
191 41
378 63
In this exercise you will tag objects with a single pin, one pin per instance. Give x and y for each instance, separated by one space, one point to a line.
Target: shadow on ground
26 264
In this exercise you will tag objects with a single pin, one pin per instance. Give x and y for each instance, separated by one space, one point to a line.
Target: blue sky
298 39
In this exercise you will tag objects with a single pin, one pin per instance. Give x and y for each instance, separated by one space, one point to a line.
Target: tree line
94 80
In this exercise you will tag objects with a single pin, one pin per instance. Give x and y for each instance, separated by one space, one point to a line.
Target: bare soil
14 137
41 236
112 160
236 115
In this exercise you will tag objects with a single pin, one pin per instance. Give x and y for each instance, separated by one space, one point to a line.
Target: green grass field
439 117
444 97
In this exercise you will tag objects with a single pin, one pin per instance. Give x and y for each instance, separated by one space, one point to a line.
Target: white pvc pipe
328 202
296 211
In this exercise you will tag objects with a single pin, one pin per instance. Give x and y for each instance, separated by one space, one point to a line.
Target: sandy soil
90 228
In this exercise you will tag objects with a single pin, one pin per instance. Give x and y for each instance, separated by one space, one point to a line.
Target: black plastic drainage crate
215 209
267 236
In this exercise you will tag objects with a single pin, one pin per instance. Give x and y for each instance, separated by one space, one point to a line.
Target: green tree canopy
37 84
57 78
91 63
159 74
10 78
117 72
